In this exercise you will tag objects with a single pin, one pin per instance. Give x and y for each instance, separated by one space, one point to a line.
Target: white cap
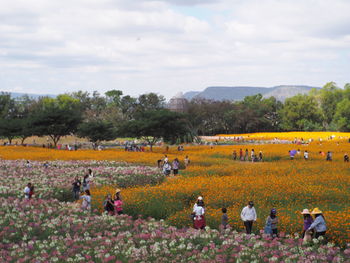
200 198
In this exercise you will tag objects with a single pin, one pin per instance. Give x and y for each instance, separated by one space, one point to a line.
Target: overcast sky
139 46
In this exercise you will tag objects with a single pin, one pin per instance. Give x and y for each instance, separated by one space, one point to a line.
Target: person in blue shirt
319 225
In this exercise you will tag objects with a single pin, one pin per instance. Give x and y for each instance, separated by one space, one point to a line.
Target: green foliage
56 117
342 115
300 113
153 125
329 96
97 131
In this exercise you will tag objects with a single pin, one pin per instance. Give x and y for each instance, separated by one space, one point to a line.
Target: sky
171 46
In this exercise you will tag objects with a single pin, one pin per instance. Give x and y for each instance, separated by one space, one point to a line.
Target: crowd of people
313 227
306 154
244 156
173 167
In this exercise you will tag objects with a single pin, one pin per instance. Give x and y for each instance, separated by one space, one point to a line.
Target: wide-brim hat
118 190
305 212
316 211
200 198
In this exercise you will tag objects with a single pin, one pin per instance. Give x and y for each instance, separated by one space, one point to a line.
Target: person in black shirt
108 205
76 188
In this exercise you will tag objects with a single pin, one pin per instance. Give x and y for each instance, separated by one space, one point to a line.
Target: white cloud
142 46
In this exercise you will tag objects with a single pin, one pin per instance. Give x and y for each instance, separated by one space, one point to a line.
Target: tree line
105 117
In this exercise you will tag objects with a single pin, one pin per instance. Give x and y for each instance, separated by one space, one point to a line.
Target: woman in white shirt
198 214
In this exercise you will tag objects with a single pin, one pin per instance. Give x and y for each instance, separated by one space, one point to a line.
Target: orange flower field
287 185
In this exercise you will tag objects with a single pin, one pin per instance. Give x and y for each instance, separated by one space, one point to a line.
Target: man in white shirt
248 215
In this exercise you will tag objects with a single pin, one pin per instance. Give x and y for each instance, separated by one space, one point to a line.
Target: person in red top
31 192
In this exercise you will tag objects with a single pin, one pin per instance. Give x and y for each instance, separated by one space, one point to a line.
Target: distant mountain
30 95
239 92
191 94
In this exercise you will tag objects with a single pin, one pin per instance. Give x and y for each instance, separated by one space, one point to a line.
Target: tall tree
342 115
330 95
300 113
96 131
153 125
56 117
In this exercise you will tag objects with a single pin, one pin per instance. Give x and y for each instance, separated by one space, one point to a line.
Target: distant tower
178 103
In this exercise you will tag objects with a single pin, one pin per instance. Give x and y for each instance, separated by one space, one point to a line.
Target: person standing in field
176 165
76 188
246 158
86 205
306 156
307 222
260 156
271 223
86 183
329 156
159 163
241 154
224 218
31 192
90 173
166 168
198 214
187 161
319 223
346 158
166 159
248 216
27 191
234 155
252 155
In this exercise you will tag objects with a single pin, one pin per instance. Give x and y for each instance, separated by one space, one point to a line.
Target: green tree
10 128
153 125
96 131
150 101
330 95
7 105
342 115
56 117
300 113
114 97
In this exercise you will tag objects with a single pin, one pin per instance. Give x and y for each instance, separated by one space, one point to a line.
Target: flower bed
52 231
56 180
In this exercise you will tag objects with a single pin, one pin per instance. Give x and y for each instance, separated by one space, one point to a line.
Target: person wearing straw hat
117 194
307 220
319 224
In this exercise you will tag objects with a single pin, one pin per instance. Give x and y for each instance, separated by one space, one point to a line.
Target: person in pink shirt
118 203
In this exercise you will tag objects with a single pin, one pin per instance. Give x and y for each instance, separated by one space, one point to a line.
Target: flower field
287 185
56 180
50 231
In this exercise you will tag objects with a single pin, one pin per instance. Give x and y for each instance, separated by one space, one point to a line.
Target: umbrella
293 152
